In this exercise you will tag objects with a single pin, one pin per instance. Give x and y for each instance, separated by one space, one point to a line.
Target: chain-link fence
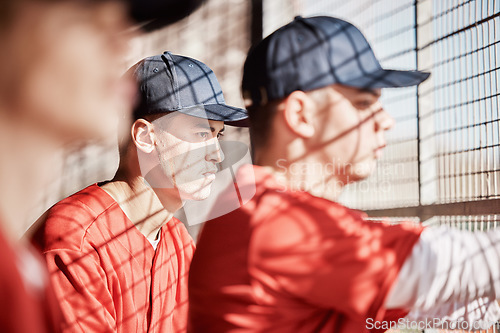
441 164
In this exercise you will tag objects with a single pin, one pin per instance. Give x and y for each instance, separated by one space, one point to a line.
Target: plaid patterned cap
311 53
169 82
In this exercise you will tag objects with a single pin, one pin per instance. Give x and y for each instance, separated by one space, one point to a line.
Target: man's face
351 125
189 151
63 71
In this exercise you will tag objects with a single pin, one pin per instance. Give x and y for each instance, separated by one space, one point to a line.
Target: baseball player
118 258
60 84
58 74
293 259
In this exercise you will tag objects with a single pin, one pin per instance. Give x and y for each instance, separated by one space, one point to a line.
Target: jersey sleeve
81 289
449 265
333 258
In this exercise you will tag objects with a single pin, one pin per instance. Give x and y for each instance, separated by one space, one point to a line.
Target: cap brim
230 115
388 78
155 14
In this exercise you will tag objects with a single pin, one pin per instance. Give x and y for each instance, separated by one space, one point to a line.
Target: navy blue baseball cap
311 53
169 82
155 14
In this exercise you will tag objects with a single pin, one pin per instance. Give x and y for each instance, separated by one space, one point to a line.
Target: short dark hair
6 8
261 118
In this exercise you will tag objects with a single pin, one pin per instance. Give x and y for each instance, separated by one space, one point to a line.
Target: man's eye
365 104
220 134
203 135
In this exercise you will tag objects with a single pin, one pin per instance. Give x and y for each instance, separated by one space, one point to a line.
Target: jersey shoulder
304 206
65 225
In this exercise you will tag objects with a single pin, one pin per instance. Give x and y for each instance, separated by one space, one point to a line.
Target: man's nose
214 152
383 120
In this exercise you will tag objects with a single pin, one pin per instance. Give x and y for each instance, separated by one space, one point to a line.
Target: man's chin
197 194
361 171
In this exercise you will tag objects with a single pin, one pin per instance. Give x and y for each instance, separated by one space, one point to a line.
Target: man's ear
298 113
143 135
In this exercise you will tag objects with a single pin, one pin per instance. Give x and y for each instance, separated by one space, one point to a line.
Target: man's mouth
379 151
210 175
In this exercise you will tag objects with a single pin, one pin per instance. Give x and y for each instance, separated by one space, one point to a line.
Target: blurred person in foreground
293 259
60 84
118 257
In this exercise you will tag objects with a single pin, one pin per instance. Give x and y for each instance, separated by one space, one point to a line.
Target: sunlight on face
351 128
189 151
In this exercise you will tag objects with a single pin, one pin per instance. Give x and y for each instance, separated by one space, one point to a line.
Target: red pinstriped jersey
287 261
106 274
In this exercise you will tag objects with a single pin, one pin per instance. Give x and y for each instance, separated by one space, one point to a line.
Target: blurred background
442 163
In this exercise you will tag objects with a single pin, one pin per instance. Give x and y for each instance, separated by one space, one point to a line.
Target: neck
28 160
148 209
297 170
